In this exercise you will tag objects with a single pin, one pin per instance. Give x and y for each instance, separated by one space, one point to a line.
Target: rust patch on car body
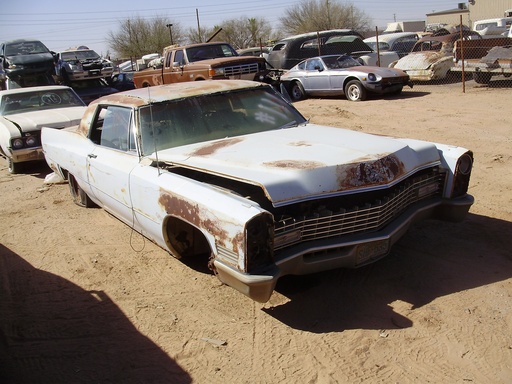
294 164
300 144
191 213
379 171
211 148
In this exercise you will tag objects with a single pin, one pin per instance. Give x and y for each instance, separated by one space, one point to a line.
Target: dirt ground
86 300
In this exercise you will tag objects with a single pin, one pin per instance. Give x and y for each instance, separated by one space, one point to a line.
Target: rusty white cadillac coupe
232 172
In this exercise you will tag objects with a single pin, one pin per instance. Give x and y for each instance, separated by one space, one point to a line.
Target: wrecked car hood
298 163
53 118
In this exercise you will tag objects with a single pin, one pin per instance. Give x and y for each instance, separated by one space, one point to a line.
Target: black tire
14 167
64 77
397 92
482 78
80 198
354 91
297 91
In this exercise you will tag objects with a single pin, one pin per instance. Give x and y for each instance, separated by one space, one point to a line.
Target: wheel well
184 239
349 79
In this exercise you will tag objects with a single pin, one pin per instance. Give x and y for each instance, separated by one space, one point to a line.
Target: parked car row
423 56
28 63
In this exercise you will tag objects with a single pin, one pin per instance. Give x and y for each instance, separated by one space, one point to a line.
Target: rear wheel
297 91
482 78
79 196
354 91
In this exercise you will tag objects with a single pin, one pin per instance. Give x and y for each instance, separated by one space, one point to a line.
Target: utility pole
170 32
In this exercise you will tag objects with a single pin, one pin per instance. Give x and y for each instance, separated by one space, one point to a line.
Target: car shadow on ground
53 331
434 259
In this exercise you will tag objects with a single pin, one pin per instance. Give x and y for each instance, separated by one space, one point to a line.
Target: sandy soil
85 299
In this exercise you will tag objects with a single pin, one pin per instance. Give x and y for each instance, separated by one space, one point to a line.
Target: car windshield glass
80 55
202 118
210 52
37 101
337 62
25 48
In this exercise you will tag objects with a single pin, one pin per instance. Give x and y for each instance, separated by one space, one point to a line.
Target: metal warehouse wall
475 10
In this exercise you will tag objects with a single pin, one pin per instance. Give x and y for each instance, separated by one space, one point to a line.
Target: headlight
11 65
465 164
462 174
216 72
259 235
17 143
372 77
31 141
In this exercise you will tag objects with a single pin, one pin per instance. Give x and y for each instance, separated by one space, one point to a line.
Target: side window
178 57
313 64
112 128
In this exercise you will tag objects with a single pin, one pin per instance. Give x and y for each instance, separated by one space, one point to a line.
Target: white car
432 57
399 42
24 111
228 173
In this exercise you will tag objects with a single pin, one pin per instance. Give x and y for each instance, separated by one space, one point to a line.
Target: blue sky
63 24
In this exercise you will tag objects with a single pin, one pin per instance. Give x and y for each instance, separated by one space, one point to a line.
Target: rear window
278 47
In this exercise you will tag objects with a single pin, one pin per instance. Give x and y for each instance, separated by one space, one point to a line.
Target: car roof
386 37
20 41
449 37
313 34
33 89
156 94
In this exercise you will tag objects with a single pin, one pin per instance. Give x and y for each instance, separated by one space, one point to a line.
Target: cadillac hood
300 163
34 121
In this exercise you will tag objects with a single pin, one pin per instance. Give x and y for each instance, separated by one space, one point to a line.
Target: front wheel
297 91
14 167
79 196
397 92
354 91
482 78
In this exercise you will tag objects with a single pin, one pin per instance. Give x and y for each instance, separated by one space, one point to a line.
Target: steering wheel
51 99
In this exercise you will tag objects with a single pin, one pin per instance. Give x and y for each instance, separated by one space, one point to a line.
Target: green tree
320 15
137 37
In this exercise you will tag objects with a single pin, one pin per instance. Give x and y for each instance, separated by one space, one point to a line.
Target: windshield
210 52
80 55
37 101
25 48
337 62
210 117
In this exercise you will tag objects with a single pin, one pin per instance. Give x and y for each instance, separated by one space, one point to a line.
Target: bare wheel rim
296 92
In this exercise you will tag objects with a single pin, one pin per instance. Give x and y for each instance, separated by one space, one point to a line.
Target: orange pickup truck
206 61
